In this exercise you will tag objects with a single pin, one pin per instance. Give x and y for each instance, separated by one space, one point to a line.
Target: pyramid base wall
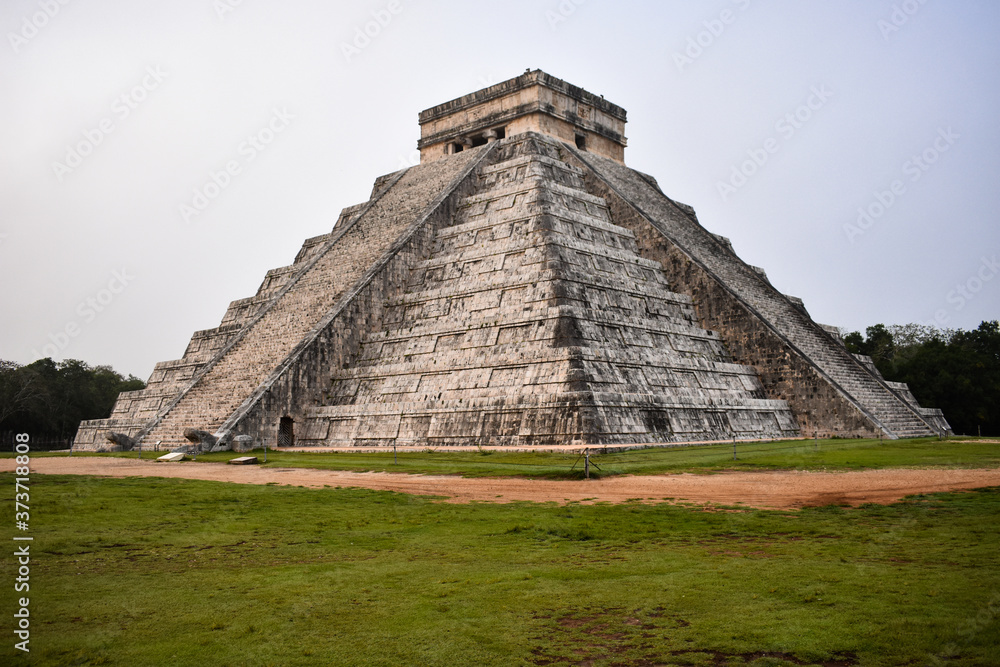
566 419
935 417
91 436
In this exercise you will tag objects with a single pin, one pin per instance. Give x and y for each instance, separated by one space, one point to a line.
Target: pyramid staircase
223 367
535 322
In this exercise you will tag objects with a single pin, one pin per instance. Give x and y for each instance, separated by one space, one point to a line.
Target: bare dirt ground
776 490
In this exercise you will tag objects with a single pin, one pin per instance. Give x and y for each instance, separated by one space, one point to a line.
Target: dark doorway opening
581 141
286 432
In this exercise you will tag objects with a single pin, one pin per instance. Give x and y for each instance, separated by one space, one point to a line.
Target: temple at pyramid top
532 102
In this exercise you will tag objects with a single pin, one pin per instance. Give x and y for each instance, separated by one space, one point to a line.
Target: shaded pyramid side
535 322
830 391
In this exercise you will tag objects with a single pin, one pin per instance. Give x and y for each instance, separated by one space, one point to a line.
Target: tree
854 342
912 335
957 371
49 399
880 347
877 343
18 391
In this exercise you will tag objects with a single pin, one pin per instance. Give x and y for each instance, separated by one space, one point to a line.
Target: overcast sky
116 114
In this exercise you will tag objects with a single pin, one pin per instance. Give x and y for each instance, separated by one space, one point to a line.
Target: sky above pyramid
159 158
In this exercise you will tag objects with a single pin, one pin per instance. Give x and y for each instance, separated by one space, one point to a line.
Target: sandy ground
782 490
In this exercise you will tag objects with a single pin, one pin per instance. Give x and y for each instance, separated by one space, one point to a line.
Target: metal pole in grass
394 461
586 464
815 441
734 447
265 451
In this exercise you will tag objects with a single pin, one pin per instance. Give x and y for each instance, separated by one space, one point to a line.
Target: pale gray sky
114 113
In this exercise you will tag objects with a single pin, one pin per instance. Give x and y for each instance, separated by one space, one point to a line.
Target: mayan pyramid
520 287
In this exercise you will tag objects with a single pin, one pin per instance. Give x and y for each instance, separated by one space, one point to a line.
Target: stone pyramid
522 287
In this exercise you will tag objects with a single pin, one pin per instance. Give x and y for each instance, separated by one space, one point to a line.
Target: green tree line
955 370
48 399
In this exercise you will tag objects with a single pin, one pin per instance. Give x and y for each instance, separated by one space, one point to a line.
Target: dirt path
787 490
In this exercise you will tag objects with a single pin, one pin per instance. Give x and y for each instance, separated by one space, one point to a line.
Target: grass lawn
781 455
175 572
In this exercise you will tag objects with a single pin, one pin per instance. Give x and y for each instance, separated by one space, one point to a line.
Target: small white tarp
244 460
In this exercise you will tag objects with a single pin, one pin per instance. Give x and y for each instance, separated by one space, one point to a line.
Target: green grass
781 455
176 572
